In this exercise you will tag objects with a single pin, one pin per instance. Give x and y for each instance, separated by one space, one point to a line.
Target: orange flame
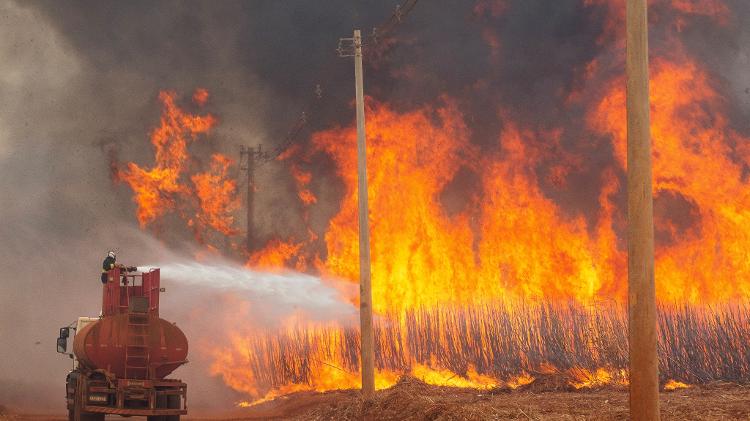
200 96
165 188
693 162
674 385
421 256
586 379
275 256
507 240
302 179
216 195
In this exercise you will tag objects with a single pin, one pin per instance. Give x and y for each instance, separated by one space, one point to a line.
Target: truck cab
68 333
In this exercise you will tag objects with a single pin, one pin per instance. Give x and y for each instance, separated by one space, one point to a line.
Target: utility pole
644 364
249 167
352 47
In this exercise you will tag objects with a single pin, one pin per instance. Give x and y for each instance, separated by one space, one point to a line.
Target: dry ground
413 400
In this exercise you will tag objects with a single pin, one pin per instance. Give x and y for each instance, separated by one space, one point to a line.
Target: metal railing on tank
126 282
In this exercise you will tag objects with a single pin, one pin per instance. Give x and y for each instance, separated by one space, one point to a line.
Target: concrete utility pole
365 291
249 166
644 364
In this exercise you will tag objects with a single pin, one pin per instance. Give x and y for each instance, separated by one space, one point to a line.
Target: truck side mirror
62 345
62 340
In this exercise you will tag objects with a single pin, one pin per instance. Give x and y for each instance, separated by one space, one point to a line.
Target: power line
373 47
396 19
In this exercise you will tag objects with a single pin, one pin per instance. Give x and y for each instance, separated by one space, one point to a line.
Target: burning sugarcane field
352 210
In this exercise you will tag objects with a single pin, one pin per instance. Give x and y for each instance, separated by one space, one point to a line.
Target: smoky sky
263 60
81 78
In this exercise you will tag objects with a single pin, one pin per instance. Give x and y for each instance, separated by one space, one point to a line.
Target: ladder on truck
137 346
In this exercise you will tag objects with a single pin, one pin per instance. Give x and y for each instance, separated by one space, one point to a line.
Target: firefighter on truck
110 262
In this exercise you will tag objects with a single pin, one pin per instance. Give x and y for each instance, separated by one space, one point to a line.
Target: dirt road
413 400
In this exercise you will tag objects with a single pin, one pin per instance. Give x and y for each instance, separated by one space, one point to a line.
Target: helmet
111 254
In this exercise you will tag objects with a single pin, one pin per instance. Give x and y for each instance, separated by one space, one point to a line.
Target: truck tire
77 413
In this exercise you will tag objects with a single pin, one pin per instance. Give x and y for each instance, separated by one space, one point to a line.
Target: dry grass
696 344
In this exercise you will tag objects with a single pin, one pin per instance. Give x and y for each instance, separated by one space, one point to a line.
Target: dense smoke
79 84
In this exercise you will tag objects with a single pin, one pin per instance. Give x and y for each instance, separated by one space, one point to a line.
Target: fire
712 8
153 188
302 179
421 256
275 256
510 239
216 195
674 385
200 96
521 380
698 260
528 245
478 347
584 378
445 377
407 177
500 284
174 182
323 371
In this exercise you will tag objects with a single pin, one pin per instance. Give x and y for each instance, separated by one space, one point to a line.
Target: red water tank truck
121 358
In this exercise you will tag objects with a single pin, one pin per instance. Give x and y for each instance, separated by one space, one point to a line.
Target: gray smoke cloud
79 78
60 210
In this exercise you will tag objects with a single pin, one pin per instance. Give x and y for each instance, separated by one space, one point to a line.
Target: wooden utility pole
644 367
249 167
365 291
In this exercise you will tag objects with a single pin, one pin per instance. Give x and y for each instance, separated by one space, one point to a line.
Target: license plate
98 398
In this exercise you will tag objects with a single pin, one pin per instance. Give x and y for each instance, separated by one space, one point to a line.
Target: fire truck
121 359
